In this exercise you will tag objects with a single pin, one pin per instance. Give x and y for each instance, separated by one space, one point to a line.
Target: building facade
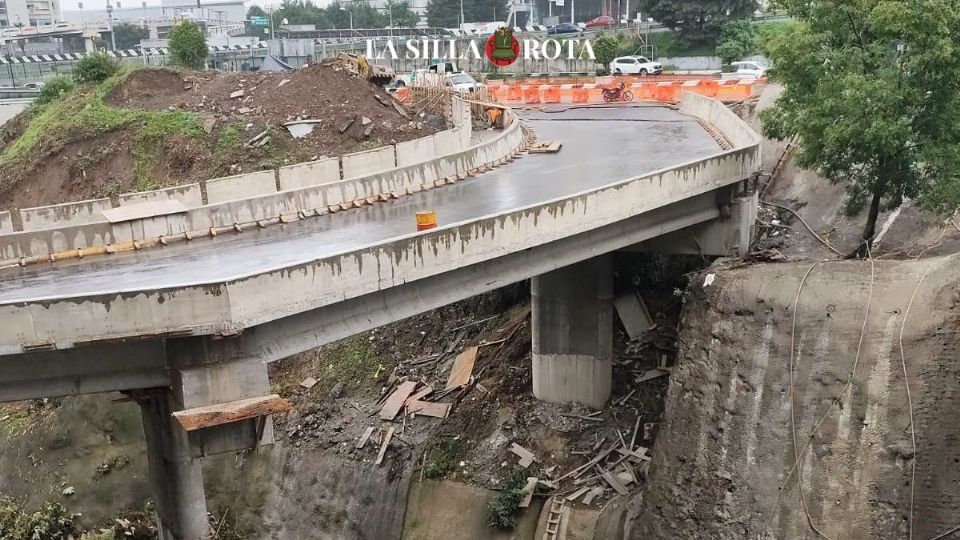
24 13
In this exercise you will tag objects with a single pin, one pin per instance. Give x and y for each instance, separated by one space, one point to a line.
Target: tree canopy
698 21
336 15
188 46
738 39
872 90
446 13
128 35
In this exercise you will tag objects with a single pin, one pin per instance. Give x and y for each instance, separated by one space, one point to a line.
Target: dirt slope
725 450
157 127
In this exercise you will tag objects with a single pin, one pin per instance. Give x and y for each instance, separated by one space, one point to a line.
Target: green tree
872 90
300 12
605 49
188 46
401 13
128 35
738 39
446 13
698 21
54 89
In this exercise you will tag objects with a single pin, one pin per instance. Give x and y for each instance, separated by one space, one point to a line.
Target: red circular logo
502 47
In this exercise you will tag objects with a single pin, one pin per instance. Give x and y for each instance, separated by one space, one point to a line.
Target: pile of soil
70 166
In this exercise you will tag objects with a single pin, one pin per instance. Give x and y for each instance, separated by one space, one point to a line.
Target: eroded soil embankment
725 451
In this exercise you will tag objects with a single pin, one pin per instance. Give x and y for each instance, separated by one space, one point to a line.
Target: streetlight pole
113 38
462 20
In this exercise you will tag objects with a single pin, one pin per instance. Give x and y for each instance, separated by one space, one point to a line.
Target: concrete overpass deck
601 146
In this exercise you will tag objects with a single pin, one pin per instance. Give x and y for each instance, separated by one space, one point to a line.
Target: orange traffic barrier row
652 90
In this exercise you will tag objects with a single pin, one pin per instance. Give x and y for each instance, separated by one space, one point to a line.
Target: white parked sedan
635 65
749 70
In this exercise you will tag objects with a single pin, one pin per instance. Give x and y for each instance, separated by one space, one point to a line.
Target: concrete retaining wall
188 194
241 186
418 150
59 215
313 173
394 182
368 162
6 223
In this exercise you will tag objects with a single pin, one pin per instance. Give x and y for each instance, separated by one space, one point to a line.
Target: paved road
600 146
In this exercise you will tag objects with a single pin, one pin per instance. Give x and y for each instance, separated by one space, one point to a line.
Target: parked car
564 28
749 69
34 85
462 82
635 65
602 21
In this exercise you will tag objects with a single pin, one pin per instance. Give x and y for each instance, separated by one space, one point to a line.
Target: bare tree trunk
870 229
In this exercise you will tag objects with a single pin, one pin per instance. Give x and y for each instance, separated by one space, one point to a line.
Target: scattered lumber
462 368
396 400
383 447
364 438
429 408
528 491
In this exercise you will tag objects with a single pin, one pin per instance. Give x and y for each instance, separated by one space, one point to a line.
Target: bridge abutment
572 318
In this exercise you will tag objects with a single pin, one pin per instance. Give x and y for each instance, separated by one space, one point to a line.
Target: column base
568 378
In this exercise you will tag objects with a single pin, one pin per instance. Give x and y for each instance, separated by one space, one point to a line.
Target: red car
601 21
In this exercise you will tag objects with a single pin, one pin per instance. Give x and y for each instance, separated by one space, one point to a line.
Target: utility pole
113 38
573 4
462 21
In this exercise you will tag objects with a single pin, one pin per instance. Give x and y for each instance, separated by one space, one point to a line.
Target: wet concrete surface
600 146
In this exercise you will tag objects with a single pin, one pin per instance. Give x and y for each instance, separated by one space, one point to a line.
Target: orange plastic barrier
708 87
531 95
514 93
580 95
551 95
668 92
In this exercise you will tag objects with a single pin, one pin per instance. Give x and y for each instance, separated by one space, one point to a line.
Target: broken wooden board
396 400
462 368
420 394
364 438
308 383
230 412
383 447
577 494
428 408
652 374
528 491
592 495
546 147
526 456
633 313
614 482
640 456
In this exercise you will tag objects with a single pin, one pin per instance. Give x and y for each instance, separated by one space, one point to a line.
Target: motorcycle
617 93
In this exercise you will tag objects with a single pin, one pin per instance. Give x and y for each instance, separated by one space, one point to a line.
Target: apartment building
21 13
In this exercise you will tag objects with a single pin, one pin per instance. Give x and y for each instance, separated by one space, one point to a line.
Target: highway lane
600 146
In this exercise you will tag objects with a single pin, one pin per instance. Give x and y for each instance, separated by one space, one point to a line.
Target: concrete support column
176 478
573 333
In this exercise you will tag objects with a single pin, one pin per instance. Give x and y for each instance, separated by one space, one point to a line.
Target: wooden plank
634 454
233 411
528 491
526 456
383 447
592 495
577 494
364 438
614 482
429 408
396 400
462 368
652 374
420 395
546 147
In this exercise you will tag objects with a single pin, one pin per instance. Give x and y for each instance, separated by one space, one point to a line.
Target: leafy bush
442 460
52 522
188 46
94 68
503 510
54 89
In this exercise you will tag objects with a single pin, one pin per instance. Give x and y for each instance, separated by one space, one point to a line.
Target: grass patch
229 137
84 112
351 361
442 459
368 145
